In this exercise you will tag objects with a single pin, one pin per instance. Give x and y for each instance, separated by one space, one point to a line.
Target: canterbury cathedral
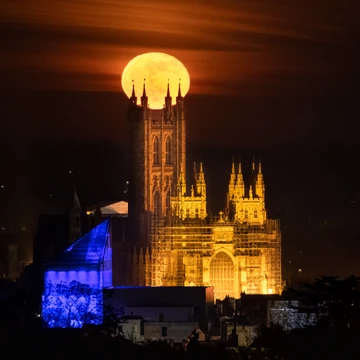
174 241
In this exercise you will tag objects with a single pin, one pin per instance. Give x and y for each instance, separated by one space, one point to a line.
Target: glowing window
246 214
168 159
196 212
168 203
156 151
222 276
157 203
255 214
187 213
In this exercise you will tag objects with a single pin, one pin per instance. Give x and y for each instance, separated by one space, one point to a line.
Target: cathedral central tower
157 149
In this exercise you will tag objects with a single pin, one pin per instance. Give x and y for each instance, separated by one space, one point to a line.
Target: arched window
187 213
157 203
222 275
255 214
196 212
168 205
156 151
168 159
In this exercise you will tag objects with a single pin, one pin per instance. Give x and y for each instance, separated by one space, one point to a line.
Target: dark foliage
335 334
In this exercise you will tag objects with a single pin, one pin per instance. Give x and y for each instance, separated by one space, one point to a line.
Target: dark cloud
250 41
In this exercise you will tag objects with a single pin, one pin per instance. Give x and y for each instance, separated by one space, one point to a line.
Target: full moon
156 70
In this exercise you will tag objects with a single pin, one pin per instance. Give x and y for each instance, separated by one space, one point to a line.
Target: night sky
276 79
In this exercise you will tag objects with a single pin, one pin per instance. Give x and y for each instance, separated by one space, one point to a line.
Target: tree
71 305
112 320
193 346
336 301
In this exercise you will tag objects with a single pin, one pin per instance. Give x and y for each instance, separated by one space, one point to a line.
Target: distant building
74 281
138 329
237 334
290 314
13 258
172 303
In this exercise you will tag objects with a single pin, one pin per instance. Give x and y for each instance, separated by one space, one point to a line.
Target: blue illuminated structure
74 281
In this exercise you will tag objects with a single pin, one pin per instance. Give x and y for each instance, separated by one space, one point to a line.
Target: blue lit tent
75 278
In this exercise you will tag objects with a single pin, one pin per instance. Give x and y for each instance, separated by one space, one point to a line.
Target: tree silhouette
334 334
71 305
335 301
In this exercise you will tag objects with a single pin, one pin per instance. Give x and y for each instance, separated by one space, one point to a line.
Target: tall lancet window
168 209
157 203
168 159
156 151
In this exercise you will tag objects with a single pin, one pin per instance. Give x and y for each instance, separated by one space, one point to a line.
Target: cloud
226 42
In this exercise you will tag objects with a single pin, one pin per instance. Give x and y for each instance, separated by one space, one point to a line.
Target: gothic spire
201 168
201 184
232 175
259 171
240 185
181 185
76 201
133 99
133 89
168 97
260 184
179 93
239 170
144 98
168 89
144 90
253 176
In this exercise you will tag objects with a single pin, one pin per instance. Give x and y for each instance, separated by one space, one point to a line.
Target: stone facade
176 242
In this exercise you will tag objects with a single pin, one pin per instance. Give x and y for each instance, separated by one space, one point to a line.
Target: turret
180 101
260 184
240 184
133 98
144 104
253 175
144 98
168 99
200 183
181 185
231 192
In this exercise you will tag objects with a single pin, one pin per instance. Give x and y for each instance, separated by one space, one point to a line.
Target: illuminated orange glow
158 70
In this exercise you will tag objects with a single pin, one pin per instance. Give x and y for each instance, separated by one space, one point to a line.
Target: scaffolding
228 255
